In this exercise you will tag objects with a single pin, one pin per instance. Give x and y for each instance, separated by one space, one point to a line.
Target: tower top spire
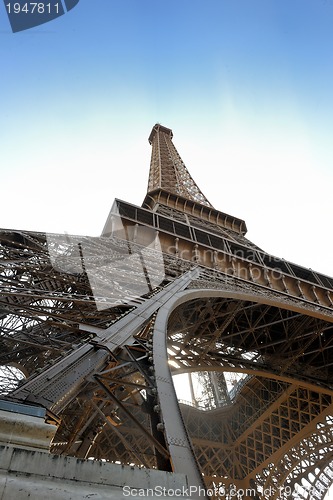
168 171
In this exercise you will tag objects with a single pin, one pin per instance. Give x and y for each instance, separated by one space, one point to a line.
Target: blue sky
246 86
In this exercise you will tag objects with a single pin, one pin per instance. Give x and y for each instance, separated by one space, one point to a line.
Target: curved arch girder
163 374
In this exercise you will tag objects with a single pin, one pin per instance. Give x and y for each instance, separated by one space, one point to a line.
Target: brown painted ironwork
94 328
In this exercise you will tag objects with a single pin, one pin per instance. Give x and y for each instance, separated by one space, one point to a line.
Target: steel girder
282 408
105 304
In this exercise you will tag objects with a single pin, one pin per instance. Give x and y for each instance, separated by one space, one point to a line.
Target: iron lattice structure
93 329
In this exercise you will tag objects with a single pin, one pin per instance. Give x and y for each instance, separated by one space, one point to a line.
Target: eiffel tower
93 330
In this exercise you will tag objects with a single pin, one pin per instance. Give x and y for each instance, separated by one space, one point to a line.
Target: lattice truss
269 431
51 285
167 169
273 429
113 418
